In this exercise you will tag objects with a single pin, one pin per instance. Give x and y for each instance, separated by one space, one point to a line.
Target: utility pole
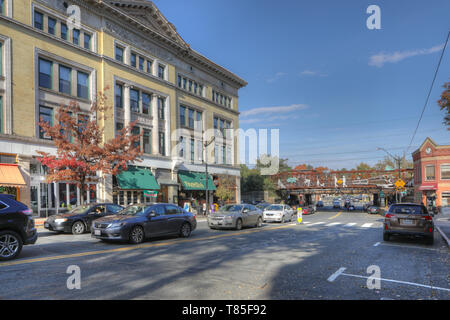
206 144
398 160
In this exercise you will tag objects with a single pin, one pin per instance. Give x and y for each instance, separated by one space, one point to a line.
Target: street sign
400 184
299 214
340 181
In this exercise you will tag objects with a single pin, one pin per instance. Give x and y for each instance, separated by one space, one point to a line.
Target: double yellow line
141 246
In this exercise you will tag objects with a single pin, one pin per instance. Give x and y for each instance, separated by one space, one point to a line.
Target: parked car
408 219
263 206
310 209
16 227
278 212
79 220
366 206
138 222
373 210
236 216
336 204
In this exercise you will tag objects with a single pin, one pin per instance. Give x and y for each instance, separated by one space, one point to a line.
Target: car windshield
133 211
80 209
275 207
408 209
231 208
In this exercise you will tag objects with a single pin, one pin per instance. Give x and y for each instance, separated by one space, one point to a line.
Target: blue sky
335 89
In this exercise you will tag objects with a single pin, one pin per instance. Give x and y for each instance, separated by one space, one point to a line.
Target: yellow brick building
55 51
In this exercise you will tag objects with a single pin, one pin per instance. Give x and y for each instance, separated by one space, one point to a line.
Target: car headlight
115 225
60 220
228 218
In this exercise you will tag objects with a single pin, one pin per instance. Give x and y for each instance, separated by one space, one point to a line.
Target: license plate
407 222
97 232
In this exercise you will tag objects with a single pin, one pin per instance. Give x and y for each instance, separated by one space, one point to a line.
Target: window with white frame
445 171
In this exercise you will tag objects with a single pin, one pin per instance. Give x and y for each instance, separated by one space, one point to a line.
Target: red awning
10 176
425 187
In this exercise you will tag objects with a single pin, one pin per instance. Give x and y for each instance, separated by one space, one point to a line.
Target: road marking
412 247
336 215
387 280
134 247
317 223
350 224
367 225
376 244
336 274
306 222
333 224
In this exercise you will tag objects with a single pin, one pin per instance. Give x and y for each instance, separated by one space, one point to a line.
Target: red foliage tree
81 149
444 103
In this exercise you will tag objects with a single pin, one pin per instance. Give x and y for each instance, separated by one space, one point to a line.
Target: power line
346 152
429 92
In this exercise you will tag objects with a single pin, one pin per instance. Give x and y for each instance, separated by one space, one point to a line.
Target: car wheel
238 224
10 245
259 223
185 230
137 235
78 227
386 236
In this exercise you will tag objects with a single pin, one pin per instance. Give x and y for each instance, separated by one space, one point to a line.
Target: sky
334 89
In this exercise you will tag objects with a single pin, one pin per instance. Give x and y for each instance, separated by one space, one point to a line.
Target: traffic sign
340 181
400 184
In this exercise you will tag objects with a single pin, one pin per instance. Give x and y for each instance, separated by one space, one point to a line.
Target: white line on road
333 224
341 272
350 224
367 225
336 274
377 244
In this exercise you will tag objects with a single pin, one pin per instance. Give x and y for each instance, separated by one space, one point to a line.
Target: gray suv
236 216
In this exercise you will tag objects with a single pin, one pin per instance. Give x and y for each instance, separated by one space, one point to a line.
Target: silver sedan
279 213
236 216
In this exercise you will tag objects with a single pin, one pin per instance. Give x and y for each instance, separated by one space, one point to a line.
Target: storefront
193 189
11 180
136 185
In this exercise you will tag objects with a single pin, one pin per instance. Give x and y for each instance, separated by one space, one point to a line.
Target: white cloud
267 119
378 60
274 110
276 77
312 73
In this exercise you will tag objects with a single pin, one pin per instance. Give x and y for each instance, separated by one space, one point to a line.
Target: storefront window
63 195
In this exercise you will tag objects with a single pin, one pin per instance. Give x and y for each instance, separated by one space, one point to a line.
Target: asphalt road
277 261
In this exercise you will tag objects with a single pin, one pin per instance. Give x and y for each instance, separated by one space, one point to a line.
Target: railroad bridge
309 185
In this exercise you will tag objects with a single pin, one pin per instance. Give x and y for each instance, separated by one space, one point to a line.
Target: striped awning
10 176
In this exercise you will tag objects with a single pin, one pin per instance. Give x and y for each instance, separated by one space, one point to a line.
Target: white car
278 212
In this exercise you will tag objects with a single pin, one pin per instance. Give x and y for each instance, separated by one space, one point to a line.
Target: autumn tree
81 153
444 103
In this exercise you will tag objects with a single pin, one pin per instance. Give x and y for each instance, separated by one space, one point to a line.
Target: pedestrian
204 208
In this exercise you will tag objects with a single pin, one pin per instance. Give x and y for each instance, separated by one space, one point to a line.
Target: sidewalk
442 224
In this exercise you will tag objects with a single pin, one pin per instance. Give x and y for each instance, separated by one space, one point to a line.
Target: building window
1 114
83 85
182 147
224 153
64 34
45 115
147 138
162 143
134 100
445 171
146 98
65 80
2 7
182 116
429 173
199 150
199 121
38 20
119 53
191 119
119 96
141 63
179 81
161 70
184 83
228 155
161 107
87 41
135 132
190 85
216 153
76 37
82 121
192 150
133 60
149 67
45 73
51 25
119 127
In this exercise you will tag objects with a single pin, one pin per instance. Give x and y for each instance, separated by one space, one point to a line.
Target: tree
225 190
444 103
363 166
268 161
81 152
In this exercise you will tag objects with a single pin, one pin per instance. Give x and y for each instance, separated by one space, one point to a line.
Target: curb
443 235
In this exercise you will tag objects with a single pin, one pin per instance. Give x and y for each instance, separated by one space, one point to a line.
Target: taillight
388 215
429 218
27 212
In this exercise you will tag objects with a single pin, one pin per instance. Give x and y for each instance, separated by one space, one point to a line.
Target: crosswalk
341 224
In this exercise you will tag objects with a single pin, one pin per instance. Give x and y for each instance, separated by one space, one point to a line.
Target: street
277 261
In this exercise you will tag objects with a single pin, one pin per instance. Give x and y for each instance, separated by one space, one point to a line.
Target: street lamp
206 144
399 161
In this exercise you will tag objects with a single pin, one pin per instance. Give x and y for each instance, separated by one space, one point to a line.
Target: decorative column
126 106
155 124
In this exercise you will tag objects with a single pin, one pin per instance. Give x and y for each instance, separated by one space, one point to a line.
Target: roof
431 141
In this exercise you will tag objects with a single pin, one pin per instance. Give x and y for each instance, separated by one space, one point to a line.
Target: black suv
16 227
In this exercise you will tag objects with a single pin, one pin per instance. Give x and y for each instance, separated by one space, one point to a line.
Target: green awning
137 179
195 180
